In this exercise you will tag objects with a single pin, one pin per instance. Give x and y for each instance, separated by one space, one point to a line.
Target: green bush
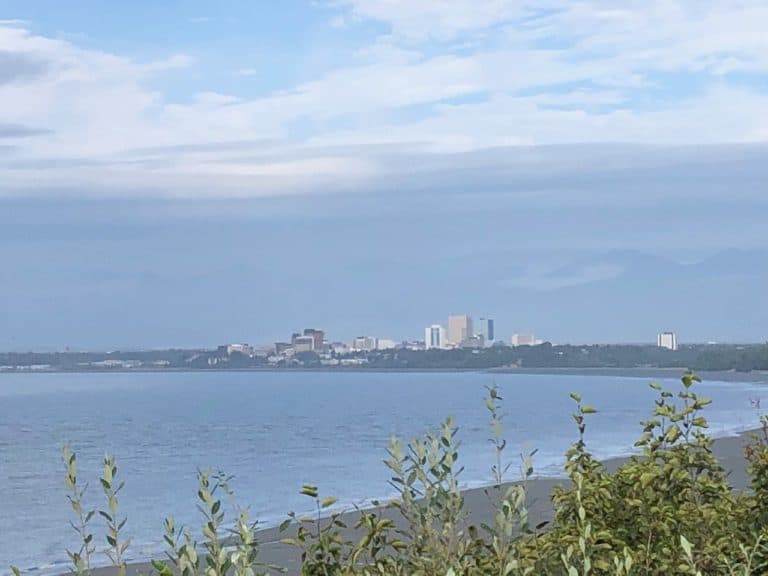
668 510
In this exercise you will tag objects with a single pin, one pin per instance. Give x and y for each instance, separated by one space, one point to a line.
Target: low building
385 344
524 340
353 361
364 344
283 347
474 342
263 351
413 345
339 348
229 349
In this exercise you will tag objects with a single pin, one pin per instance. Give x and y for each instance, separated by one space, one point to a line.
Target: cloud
20 67
435 18
440 78
246 72
338 22
566 278
20 131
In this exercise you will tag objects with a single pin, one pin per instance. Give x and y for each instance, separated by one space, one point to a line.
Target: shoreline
728 449
755 376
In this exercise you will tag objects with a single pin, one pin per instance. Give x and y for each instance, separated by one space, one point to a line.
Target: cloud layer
431 78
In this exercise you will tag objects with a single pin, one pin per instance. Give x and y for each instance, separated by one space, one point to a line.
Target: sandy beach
756 376
729 450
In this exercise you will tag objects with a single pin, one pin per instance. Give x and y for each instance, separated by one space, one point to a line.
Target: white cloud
246 72
441 19
546 281
338 21
447 76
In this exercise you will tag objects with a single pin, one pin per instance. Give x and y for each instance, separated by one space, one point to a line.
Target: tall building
667 340
459 329
317 335
486 329
434 337
304 344
524 340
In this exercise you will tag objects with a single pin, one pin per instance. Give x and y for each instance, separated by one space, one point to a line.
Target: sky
187 174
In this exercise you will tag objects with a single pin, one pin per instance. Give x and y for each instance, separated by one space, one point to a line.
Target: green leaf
586 409
309 490
575 397
686 546
673 434
328 501
646 478
291 542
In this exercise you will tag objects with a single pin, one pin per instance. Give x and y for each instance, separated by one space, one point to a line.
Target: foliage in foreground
669 510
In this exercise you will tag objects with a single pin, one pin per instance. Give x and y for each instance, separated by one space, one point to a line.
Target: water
276 431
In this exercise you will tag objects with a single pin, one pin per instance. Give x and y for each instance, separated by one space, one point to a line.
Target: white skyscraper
459 329
667 340
434 337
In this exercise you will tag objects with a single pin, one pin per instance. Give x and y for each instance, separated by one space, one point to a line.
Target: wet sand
756 376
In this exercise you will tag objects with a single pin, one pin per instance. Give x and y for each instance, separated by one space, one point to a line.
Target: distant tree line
717 357
699 357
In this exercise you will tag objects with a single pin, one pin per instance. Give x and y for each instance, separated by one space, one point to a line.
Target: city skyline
314 339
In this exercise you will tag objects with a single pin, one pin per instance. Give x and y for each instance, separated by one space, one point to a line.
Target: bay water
274 431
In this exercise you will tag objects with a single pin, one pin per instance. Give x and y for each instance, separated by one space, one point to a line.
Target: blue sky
176 173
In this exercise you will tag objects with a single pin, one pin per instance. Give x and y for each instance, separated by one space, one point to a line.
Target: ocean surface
276 431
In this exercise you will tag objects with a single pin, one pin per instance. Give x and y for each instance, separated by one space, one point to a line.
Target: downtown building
524 340
459 329
434 337
486 331
667 340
